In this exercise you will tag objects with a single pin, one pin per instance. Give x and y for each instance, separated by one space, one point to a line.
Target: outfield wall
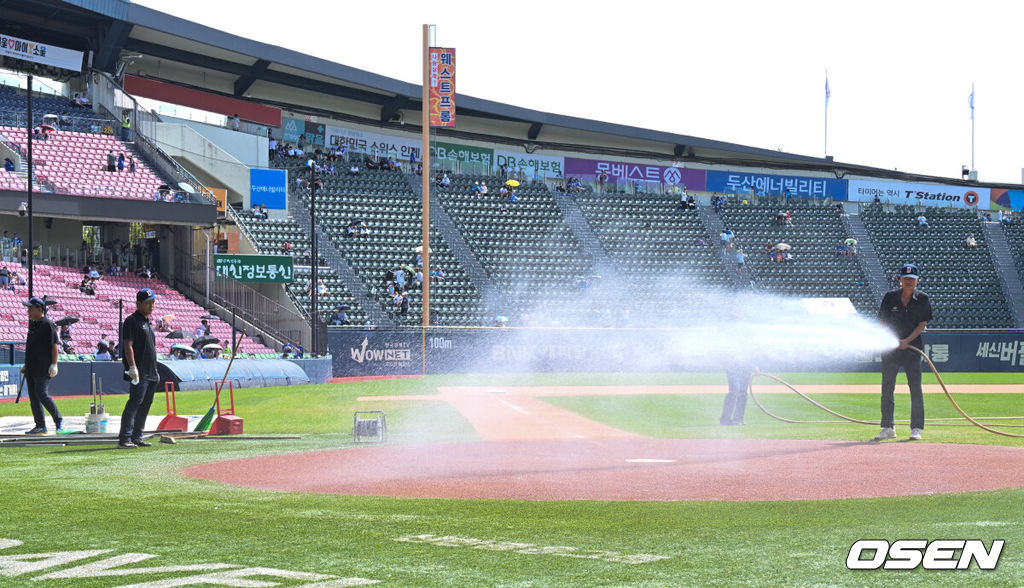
378 352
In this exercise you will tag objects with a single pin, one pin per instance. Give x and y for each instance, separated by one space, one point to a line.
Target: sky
753 73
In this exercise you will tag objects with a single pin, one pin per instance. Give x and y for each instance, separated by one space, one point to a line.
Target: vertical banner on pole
442 87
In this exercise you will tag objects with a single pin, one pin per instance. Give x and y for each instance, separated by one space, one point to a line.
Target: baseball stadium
267 319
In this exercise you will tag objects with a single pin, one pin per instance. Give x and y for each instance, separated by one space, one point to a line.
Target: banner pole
426 177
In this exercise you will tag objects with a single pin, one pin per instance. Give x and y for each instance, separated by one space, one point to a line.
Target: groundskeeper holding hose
139 345
906 311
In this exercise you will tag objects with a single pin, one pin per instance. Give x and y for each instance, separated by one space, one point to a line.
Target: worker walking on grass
40 365
139 344
906 312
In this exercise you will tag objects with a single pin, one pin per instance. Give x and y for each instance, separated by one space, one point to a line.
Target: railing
111 98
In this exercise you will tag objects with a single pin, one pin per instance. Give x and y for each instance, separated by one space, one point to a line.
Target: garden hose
972 421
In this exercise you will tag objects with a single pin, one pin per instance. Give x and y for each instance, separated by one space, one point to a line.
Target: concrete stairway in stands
867 257
1009 279
714 225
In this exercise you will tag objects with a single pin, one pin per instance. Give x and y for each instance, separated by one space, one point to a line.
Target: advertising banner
273 269
451 152
621 171
221 196
268 187
732 182
1002 198
543 166
314 134
442 87
399 148
453 350
42 53
291 129
925 194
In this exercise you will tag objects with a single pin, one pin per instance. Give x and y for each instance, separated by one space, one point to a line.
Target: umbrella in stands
212 346
210 317
68 320
343 307
47 128
512 183
179 334
783 246
49 300
167 318
203 341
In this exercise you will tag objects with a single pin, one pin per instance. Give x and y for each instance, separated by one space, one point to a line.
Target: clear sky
900 72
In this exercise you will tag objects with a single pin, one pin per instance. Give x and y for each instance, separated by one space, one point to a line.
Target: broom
204 423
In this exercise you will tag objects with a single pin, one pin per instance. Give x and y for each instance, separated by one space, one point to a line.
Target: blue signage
268 187
743 183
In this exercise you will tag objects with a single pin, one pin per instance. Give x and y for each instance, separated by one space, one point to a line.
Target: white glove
133 375
53 370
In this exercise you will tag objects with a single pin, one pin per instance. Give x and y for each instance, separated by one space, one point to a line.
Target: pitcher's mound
634 469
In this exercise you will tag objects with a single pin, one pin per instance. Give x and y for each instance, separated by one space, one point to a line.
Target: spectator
602 180
339 318
120 162
851 245
475 190
972 243
922 222
405 304
236 124
8 164
691 202
126 128
145 273
445 181
287 350
111 161
286 249
718 204
512 195
5 277
1005 217
102 352
81 100
131 164
207 331
483 188
841 248
740 258
163 326
88 286
299 351
199 332
877 200
354 170
419 169
700 242
724 238
65 333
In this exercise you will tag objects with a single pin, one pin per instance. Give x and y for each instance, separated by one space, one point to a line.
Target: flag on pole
829 93
970 101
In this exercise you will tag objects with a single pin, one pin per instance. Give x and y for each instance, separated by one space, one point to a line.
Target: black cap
36 301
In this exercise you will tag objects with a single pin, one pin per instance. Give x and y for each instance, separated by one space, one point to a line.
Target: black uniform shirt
139 331
42 336
902 320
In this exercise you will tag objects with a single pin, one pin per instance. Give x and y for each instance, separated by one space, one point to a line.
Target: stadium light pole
28 128
425 158
314 292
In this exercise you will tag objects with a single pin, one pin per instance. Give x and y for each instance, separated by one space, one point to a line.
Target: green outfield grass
92 498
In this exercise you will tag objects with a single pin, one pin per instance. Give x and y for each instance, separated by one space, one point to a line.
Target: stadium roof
186 53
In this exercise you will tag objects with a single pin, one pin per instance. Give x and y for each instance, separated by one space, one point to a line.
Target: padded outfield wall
439 350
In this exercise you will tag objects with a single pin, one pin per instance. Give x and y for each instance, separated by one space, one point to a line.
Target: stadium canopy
154 45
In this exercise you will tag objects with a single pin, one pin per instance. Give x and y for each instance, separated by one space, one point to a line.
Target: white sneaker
886 433
915 434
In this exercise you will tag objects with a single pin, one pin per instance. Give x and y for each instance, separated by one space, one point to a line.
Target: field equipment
172 421
97 419
369 429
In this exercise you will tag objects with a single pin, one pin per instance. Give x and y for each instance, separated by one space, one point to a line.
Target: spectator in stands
102 352
88 286
700 242
199 332
972 243
602 179
162 325
354 170
740 258
126 128
5 277
81 101
111 161
114 270
364 231
851 245
404 306
718 203
445 181
512 195
8 164
321 289
236 125
287 350
503 192
437 275
483 188
131 164
145 273
691 202
1005 217
724 238
286 249
120 162
475 190
352 229
841 249
207 331
922 222
65 333
503 172
339 318
16 279
419 169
